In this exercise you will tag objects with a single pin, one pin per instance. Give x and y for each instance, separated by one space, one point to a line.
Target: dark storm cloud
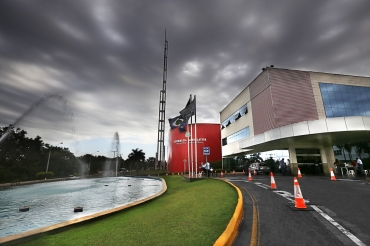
106 57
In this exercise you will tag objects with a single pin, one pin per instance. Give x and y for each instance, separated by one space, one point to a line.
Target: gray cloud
106 57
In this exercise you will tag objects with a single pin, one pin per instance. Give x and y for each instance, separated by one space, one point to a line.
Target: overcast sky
105 60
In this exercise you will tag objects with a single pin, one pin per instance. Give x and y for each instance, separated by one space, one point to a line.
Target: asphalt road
338 212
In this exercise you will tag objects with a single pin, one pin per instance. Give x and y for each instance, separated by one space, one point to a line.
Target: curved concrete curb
15 239
231 231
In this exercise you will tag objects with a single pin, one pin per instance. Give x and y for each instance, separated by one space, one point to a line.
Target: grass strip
193 213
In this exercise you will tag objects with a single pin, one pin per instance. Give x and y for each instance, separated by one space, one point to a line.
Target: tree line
22 158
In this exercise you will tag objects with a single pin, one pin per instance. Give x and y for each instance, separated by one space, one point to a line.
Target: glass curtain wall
345 100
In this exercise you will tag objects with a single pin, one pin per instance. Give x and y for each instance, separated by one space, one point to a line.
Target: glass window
323 87
243 133
349 112
331 95
345 100
231 119
333 103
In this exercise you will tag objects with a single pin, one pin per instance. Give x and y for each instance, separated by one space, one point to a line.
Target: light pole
88 170
47 165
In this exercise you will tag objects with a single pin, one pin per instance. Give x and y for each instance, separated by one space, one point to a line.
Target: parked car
260 168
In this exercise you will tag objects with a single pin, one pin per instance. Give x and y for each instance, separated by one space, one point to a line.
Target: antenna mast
160 155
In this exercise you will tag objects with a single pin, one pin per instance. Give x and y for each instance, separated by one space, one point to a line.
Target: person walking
282 166
336 165
353 163
246 166
207 167
360 165
317 167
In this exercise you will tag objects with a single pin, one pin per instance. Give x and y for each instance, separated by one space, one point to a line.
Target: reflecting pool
54 202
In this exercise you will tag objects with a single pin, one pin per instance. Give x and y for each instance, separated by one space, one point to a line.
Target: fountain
26 208
115 148
52 203
51 98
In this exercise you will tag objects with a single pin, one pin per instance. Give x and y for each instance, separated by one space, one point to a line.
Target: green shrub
44 175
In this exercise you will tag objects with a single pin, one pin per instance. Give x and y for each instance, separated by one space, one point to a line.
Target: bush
216 164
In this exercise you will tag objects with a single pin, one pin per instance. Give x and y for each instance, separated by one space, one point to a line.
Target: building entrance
309 161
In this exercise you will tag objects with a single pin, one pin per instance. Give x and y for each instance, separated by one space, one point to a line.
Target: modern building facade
208 135
304 112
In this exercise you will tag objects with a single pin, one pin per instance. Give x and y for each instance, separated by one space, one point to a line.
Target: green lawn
193 213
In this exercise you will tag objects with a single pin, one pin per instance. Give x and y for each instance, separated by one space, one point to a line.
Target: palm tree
255 157
360 148
136 156
348 148
342 151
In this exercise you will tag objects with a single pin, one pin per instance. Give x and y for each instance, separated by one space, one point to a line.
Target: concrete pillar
327 158
293 160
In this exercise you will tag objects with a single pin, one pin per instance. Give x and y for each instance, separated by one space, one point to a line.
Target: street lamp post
47 165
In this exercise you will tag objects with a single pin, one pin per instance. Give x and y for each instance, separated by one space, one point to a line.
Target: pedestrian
354 165
288 168
317 167
207 167
246 166
336 165
282 166
360 165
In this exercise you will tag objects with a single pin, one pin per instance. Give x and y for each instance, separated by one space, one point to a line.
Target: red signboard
208 135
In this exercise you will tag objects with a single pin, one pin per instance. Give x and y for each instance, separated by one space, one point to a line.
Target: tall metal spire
162 112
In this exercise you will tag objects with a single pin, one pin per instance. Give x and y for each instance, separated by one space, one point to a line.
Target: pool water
54 202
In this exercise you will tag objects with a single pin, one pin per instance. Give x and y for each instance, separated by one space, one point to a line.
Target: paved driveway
338 211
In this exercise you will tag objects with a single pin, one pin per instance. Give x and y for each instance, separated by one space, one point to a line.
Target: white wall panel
317 126
354 123
366 121
272 134
300 128
336 124
286 131
260 138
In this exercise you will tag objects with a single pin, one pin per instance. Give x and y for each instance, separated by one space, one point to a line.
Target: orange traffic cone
299 173
222 174
273 185
299 201
243 172
234 172
250 177
254 172
332 176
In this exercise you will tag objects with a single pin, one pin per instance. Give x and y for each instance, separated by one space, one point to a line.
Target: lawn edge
231 231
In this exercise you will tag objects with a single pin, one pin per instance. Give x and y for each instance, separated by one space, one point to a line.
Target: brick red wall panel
292 96
262 110
281 97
